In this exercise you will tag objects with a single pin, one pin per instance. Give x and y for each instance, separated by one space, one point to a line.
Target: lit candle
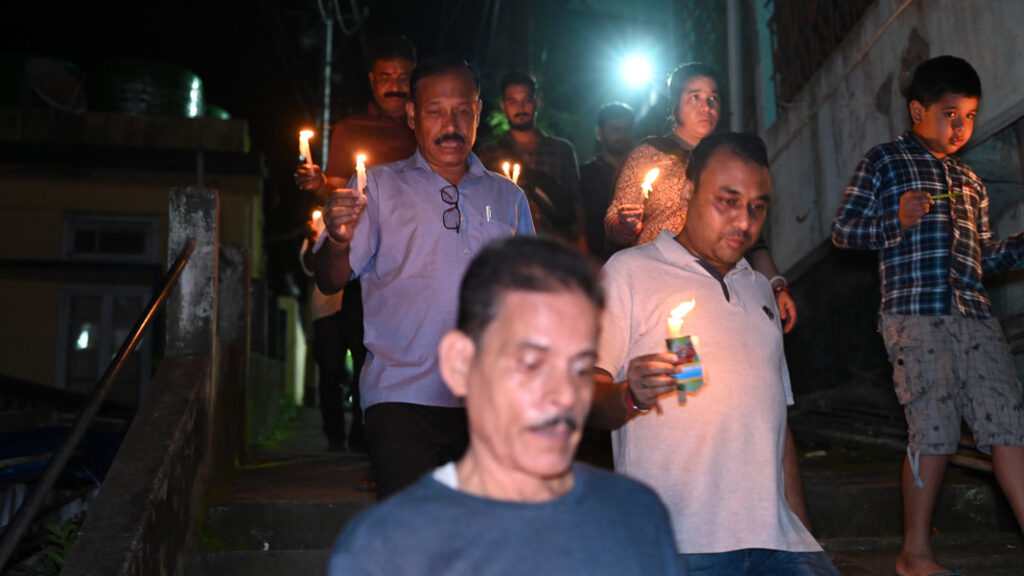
675 318
648 180
361 173
690 374
505 168
318 221
515 174
304 137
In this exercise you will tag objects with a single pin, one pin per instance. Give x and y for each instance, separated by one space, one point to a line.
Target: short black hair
526 263
441 65
682 75
943 75
391 47
746 146
613 110
518 78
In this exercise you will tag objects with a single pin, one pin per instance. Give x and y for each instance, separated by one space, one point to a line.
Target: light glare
636 71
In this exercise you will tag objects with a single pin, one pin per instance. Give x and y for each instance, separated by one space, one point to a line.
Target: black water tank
145 87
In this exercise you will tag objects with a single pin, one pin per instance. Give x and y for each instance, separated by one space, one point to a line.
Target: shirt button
465 251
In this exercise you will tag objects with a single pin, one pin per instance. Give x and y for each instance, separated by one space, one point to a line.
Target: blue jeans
757 561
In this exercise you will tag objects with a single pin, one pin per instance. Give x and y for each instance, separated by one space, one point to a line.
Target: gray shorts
949 367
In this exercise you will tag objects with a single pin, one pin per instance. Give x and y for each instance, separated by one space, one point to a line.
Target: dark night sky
262 60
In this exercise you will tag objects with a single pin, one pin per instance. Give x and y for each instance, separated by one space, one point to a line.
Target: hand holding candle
304 137
690 375
342 210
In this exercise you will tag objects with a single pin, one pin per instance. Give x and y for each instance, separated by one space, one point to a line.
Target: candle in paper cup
690 375
361 173
649 179
304 137
515 174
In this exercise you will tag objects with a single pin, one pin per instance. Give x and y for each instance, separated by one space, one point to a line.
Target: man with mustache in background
384 135
522 355
548 163
409 236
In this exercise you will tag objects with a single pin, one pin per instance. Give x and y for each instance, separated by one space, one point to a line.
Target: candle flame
649 179
515 174
305 134
361 161
317 214
675 317
505 167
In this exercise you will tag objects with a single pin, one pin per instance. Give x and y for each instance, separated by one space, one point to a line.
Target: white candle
304 137
361 173
648 180
675 318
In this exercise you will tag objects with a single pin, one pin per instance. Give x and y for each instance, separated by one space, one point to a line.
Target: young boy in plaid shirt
926 213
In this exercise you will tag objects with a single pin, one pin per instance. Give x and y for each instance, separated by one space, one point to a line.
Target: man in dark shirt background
614 133
550 176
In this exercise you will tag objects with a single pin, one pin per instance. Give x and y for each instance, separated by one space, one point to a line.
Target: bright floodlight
636 71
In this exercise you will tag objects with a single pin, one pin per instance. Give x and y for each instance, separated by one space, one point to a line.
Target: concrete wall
854 102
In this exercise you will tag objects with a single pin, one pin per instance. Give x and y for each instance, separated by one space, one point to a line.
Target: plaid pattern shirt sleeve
998 256
862 222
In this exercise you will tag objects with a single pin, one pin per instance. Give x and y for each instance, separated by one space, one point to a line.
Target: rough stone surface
191 306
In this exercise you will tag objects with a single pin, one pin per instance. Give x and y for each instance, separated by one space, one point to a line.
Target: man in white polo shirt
723 462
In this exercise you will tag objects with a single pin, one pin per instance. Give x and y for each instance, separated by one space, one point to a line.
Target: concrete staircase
851 467
282 512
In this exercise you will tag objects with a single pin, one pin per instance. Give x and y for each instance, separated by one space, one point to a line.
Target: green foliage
287 415
57 543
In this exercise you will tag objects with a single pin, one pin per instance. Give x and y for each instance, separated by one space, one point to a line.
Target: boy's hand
913 206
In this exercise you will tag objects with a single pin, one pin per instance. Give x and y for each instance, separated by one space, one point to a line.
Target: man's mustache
565 418
452 136
396 95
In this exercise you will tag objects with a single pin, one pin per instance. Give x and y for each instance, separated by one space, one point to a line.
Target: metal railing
30 507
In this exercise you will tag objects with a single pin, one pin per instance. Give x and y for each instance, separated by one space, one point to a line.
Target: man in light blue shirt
410 235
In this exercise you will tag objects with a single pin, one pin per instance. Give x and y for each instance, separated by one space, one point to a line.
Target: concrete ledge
143 514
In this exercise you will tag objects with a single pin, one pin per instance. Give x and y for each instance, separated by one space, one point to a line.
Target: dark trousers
329 354
352 340
409 440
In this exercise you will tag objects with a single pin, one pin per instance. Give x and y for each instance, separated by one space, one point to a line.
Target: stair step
278 525
295 504
865 499
977 554
268 563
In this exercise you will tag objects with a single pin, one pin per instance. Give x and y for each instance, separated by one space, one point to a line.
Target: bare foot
912 565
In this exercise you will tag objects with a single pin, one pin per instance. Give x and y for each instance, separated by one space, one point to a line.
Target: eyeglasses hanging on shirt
452 216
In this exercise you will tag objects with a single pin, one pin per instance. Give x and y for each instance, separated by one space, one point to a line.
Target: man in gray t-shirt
522 356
